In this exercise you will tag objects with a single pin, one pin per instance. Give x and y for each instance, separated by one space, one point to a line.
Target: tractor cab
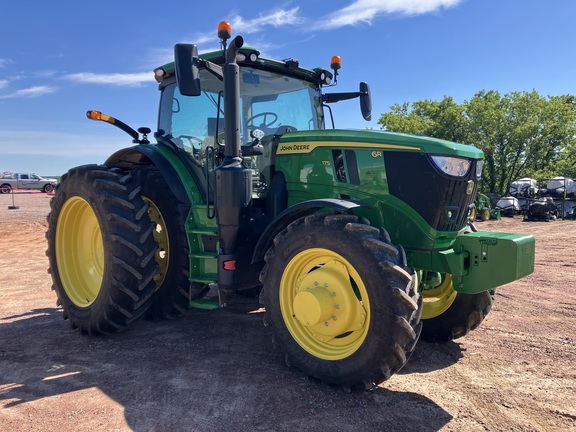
275 97
270 106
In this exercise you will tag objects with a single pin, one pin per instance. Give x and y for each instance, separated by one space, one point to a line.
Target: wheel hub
313 306
326 304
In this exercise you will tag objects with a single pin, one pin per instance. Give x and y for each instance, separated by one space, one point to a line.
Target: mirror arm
336 97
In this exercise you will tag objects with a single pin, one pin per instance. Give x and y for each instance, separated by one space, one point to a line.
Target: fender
140 155
295 212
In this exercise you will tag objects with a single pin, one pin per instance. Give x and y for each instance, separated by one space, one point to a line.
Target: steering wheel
266 114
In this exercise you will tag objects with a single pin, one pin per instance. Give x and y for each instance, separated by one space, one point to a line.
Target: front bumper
480 261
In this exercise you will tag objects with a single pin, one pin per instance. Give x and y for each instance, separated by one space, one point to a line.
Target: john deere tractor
358 239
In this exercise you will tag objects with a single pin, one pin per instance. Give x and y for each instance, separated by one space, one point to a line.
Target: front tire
101 249
341 302
473 213
448 314
48 188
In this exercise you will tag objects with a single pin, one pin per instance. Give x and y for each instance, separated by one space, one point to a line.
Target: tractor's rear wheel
173 288
448 314
101 249
341 301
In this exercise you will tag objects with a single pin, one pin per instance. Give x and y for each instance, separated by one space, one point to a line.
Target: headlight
453 166
479 167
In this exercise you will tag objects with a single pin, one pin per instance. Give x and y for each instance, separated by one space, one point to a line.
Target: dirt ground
218 370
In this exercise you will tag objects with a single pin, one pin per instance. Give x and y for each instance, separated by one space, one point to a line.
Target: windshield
267 102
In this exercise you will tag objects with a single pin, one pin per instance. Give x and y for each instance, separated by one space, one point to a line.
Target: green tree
444 119
522 134
558 151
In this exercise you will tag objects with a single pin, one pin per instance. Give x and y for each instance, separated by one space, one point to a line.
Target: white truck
9 181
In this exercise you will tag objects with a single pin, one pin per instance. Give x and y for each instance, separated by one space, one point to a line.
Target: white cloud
209 41
30 92
274 18
365 11
3 83
4 62
116 79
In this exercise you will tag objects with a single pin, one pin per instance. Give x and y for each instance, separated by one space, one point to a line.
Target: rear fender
140 155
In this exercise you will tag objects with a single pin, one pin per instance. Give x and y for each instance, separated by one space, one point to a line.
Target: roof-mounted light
224 33
323 76
247 56
336 63
224 30
159 74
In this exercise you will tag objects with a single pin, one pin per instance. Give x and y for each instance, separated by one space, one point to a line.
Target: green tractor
358 240
482 209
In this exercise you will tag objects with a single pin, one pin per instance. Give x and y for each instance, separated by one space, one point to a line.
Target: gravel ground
218 370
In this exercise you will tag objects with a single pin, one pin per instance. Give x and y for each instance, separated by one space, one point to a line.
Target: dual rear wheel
117 248
101 249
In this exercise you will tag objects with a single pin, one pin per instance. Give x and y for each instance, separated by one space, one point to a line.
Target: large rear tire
173 288
101 249
341 301
449 315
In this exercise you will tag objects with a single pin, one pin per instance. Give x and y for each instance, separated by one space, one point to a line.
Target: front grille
439 198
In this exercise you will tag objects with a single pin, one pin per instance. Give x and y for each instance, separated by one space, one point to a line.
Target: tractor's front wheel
448 314
341 301
101 249
473 213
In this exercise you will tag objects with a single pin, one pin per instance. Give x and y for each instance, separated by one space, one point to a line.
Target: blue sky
58 59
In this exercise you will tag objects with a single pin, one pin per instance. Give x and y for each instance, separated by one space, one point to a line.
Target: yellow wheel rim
324 304
160 235
438 300
79 251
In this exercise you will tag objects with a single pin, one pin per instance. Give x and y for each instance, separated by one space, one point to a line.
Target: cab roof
251 57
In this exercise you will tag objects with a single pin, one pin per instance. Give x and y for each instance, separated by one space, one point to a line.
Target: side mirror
186 69
365 101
